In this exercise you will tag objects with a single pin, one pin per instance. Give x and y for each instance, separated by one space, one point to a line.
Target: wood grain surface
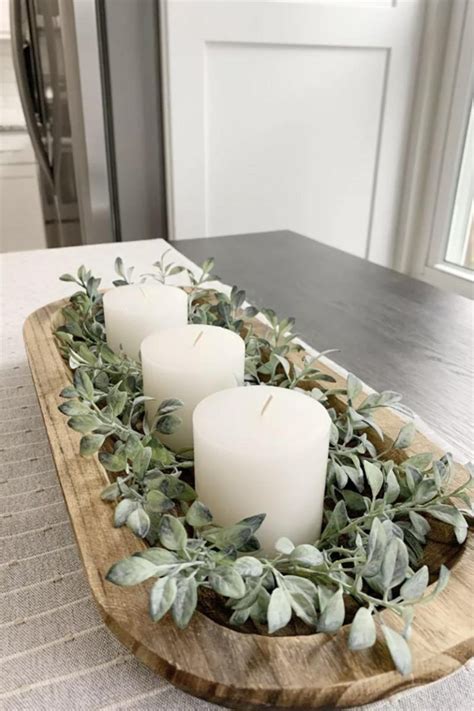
209 659
394 332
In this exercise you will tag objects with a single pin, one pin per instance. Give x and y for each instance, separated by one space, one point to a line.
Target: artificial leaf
362 634
249 566
185 601
307 555
172 533
374 477
139 522
399 650
279 610
332 615
90 444
414 587
162 596
284 545
130 571
198 515
123 510
406 436
227 581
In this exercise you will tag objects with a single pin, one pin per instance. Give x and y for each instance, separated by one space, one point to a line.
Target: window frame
436 153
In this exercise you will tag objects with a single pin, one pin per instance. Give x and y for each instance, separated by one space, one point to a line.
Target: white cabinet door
290 115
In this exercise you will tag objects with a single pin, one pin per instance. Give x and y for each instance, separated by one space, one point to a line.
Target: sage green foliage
377 510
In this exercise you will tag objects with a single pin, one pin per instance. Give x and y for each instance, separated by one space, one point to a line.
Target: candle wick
267 402
200 335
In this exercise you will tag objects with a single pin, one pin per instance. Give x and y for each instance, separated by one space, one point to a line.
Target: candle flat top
143 296
184 346
246 416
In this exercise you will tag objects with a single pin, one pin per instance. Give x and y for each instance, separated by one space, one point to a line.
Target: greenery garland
378 506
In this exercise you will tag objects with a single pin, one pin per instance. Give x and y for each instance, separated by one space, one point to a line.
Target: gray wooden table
393 331
55 651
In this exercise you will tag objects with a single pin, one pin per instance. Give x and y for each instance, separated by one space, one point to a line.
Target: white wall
290 115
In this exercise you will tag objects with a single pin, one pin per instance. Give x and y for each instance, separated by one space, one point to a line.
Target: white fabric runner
55 651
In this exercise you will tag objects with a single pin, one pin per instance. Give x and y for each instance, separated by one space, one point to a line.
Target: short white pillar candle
189 363
262 449
132 312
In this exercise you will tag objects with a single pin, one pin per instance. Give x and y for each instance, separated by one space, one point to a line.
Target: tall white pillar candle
133 312
262 449
189 363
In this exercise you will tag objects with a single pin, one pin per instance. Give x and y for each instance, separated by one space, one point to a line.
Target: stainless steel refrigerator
88 73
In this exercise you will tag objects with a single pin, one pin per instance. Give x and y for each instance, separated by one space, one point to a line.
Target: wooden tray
213 661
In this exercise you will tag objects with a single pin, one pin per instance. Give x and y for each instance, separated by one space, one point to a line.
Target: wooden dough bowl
214 661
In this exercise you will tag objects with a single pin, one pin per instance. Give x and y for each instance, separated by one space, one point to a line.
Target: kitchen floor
21 219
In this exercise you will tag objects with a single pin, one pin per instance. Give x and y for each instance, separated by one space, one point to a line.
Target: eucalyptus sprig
379 509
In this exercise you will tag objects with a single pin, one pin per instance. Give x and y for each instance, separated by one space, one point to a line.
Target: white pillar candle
257 455
189 363
132 312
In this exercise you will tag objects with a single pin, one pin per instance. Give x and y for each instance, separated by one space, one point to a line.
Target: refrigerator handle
25 95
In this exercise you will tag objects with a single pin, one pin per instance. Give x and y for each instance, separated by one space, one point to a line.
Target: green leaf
395 564
414 587
303 608
399 650
450 514
167 424
130 571
405 436
168 406
375 549
425 491
157 502
68 392
84 423
90 444
279 610
159 556
253 522
442 581
139 522
162 596
123 511
392 490
337 520
354 387
248 566
419 526
83 384
74 407
172 533
227 581
333 613
110 492
307 555
284 545
113 462
116 400
198 515
185 601
259 609
419 461
374 477
362 634
141 461
297 584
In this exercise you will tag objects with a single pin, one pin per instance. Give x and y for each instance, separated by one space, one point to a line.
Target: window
460 246
436 233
